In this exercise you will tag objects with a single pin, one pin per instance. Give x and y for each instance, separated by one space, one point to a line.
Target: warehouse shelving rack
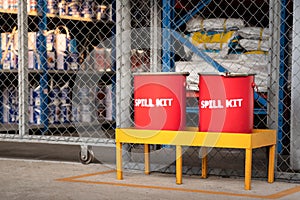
169 34
25 132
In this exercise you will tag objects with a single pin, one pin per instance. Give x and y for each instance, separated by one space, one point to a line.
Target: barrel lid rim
227 74
160 73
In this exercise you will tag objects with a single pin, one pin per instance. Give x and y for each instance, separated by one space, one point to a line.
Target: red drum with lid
160 100
226 102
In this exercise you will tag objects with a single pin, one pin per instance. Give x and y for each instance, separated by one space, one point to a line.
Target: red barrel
226 102
160 100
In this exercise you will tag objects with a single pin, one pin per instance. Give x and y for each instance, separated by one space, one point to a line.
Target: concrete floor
40 171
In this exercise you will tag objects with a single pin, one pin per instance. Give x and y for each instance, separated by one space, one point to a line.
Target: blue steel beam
1 106
283 75
1 97
42 51
192 12
209 60
260 99
1 54
197 51
167 54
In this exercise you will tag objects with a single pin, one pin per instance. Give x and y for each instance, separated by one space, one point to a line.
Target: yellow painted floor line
285 193
75 179
68 179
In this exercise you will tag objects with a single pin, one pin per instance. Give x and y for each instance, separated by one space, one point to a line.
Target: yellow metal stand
248 168
204 162
147 159
119 160
178 164
191 137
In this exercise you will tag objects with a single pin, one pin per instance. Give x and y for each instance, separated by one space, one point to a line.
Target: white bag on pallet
214 24
254 45
232 65
255 33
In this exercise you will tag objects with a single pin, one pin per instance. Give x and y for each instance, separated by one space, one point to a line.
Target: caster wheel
86 159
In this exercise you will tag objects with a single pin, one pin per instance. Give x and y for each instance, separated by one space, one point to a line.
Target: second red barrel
226 102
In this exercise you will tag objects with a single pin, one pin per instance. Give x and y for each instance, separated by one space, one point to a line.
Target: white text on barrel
159 102
217 103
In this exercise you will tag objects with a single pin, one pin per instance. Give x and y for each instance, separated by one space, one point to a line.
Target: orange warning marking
75 179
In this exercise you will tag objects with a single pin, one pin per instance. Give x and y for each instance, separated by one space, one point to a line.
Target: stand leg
178 164
119 160
147 158
204 162
271 164
248 168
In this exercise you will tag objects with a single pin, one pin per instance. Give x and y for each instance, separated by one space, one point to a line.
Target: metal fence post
295 96
23 66
124 78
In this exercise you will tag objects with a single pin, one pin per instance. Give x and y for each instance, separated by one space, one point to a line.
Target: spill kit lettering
217 103
162 102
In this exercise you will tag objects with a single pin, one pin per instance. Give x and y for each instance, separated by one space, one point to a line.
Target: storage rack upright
168 60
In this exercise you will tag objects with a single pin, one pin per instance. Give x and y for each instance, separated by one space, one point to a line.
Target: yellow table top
191 137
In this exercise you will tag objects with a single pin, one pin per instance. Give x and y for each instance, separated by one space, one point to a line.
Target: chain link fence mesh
66 83
80 57
250 36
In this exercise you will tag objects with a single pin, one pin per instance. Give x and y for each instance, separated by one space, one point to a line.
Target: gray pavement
38 171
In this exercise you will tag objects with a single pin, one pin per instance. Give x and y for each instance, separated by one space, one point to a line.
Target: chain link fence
57 72
67 71
250 36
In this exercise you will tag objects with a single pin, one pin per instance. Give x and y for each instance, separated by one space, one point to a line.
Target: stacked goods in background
62 52
10 105
140 60
12 5
213 35
8 51
229 42
9 5
62 58
75 8
99 59
80 8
